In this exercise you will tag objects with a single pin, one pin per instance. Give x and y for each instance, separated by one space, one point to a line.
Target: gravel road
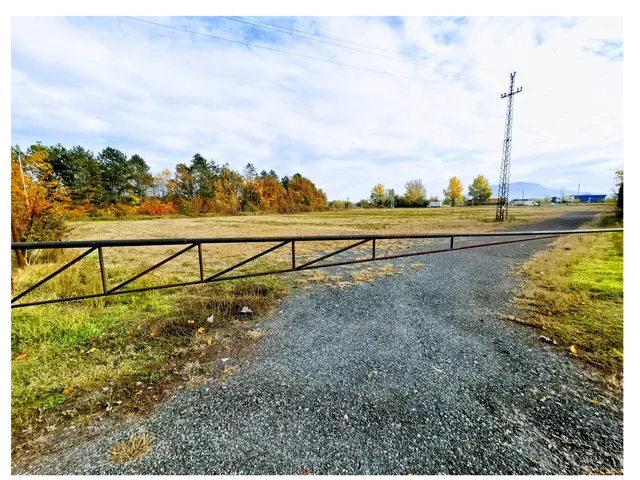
417 373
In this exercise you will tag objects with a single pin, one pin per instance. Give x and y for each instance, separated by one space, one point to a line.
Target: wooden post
14 234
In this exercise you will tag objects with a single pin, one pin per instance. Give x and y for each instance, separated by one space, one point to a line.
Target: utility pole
24 186
503 190
578 190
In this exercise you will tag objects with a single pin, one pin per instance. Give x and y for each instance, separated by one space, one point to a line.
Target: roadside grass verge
575 294
74 362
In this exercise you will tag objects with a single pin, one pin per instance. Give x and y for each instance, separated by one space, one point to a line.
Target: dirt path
417 374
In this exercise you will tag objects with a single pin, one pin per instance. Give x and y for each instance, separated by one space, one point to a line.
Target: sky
166 94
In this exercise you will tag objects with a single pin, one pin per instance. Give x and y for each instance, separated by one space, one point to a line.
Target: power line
372 47
415 64
305 56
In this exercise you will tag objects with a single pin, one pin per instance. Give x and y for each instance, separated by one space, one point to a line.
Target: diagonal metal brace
301 267
159 264
57 272
246 261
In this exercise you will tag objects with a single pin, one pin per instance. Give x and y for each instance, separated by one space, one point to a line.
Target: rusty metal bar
200 261
308 265
245 261
102 271
144 272
50 276
275 272
304 265
319 238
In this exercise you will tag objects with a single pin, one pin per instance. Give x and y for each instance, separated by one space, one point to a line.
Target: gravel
417 373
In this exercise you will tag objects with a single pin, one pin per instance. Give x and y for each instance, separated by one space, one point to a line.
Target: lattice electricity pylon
503 189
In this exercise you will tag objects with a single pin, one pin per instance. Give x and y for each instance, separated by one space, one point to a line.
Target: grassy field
73 362
575 295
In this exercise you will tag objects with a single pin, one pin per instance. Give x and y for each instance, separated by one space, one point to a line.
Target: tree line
49 183
415 195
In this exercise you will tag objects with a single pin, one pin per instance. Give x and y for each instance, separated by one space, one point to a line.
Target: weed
130 449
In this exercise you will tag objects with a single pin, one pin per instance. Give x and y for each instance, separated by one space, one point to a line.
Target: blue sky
166 94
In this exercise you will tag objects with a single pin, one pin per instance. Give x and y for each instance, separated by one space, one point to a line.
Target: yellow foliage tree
453 194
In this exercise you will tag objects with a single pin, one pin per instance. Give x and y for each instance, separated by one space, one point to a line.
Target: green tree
453 193
141 179
378 195
117 175
480 190
249 171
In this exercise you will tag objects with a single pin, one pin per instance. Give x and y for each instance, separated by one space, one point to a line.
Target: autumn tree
453 194
480 190
378 195
38 198
415 193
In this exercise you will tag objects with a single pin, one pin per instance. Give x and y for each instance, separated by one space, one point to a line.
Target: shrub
155 207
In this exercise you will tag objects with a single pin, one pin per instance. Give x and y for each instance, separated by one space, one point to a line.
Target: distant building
524 202
588 198
437 203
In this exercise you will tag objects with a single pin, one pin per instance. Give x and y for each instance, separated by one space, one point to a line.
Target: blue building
588 198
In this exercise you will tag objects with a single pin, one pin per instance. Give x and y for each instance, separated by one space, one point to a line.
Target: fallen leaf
191 321
306 472
595 402
227 347
68 390
573 349
210 341
244 323
201 330
153 333
91 350
21 356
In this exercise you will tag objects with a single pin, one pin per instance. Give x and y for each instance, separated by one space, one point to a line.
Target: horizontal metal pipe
275 272
311 238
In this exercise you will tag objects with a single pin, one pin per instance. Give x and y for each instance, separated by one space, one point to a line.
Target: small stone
181 421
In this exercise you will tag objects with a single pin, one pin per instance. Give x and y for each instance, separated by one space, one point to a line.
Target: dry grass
130 449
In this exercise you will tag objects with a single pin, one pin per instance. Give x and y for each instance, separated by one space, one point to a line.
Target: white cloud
166 94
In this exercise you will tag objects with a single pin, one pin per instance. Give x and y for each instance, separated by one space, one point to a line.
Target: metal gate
280 243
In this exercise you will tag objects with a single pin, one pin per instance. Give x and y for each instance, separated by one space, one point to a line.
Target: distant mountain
532 190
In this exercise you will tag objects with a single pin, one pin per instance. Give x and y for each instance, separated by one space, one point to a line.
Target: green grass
83 357
576 295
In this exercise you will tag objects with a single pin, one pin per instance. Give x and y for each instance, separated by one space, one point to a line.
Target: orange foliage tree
38 200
